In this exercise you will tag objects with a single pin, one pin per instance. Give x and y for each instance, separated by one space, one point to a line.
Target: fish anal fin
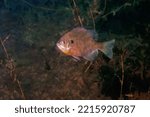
91 56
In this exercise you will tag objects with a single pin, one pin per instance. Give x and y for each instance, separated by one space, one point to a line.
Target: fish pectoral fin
76 58
91 56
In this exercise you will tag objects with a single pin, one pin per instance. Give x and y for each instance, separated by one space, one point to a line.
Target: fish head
65 44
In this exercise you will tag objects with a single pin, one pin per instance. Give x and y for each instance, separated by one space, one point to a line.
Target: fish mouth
63 48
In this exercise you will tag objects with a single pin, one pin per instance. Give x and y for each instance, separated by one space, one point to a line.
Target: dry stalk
4 48
92 19
20 88
116 10
88 67
122 58
10 66
76 13
104 9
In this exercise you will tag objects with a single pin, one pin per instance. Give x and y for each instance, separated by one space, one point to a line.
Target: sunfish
80 43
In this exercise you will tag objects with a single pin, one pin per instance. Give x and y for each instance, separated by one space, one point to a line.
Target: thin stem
22 93
122 76
77 13
92 19
11 66
116 10
122 58
4 48
104 9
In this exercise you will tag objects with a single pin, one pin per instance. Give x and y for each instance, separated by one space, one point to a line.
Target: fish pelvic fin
106 48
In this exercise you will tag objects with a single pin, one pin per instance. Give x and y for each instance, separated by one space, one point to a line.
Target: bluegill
80 43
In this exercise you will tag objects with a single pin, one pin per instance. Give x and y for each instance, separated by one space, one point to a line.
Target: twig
4 48
76 12
22 93
6 38
92 19
122 72
116 10
12 69
11 66
104 9
88 67
122 76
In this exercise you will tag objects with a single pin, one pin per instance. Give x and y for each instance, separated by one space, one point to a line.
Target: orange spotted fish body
80 43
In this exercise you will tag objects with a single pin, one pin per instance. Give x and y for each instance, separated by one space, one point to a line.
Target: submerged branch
122 58
116 10
4 48
10 66
76 13
92 19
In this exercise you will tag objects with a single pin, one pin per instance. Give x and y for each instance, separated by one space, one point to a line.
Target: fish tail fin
107 47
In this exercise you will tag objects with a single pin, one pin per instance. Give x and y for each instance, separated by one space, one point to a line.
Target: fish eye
72 41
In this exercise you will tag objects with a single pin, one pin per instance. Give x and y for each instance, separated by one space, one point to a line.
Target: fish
80 43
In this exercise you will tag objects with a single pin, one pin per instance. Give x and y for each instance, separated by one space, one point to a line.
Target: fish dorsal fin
94 34
91 56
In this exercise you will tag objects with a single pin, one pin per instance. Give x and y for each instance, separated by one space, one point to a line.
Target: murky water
31 67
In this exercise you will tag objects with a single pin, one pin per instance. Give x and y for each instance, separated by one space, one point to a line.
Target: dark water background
35 69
